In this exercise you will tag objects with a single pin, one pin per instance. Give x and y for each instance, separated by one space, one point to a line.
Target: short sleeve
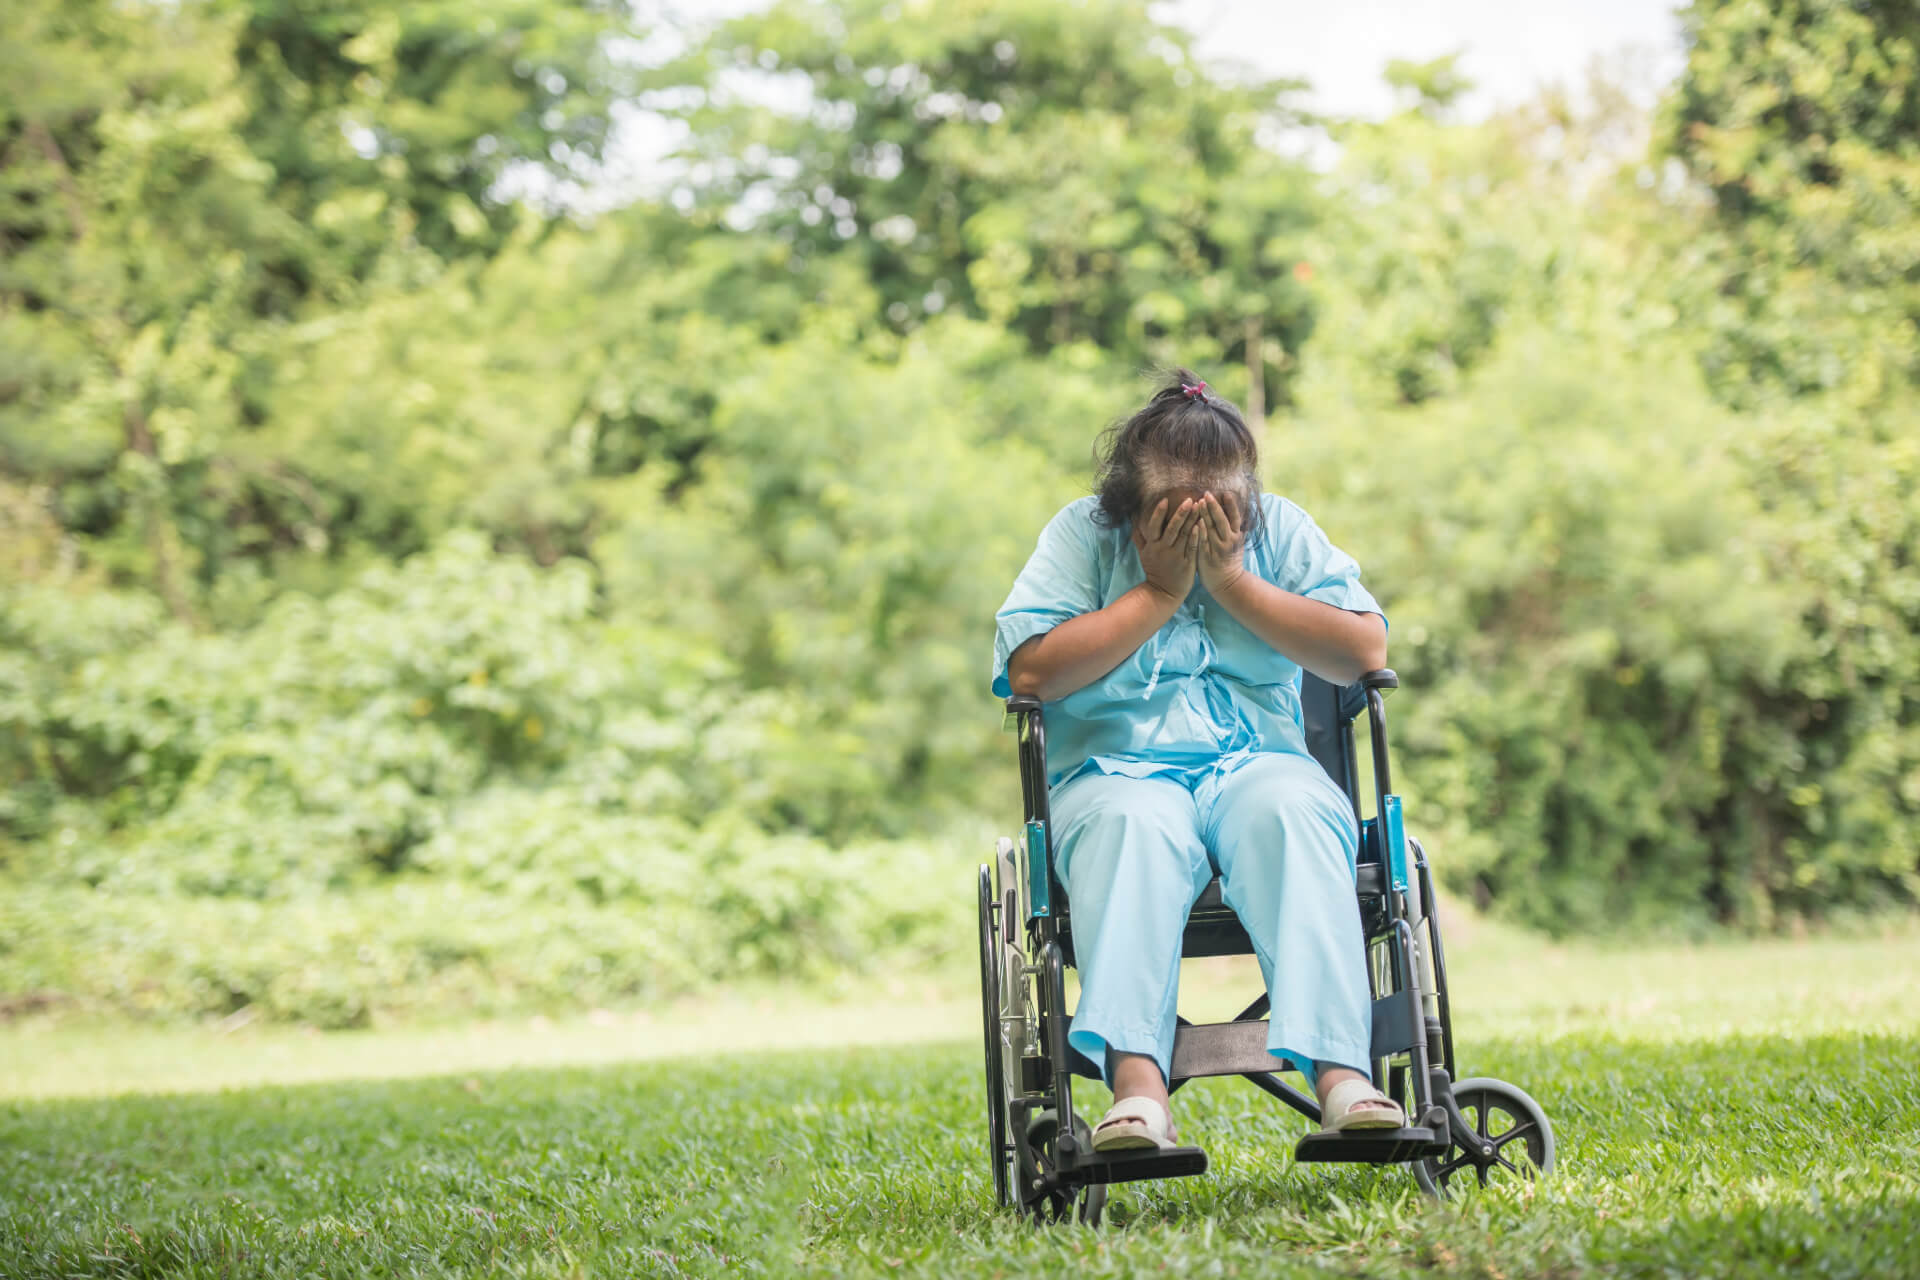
1060 581
1307 564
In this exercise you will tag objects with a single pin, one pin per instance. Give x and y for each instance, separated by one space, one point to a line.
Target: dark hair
1185 425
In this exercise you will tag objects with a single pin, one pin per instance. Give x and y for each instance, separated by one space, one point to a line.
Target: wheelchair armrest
1384 678
1022 702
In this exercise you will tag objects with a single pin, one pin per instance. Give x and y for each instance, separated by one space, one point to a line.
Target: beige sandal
1356 1104
1134 1124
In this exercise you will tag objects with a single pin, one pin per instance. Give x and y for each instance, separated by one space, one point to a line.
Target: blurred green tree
1068 171
184 182
1432 87
1802 118
390 122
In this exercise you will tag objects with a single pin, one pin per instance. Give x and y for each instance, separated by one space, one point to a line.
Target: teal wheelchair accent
1396 832
1038 877
1389 840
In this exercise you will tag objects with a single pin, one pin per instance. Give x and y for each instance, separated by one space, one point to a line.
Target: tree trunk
161 535
42 138
1256 378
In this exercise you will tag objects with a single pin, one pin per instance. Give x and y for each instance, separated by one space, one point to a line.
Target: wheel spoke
1497 1115
1511 1134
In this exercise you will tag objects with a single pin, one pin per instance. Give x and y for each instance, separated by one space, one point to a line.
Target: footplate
1136 1165
1369 1146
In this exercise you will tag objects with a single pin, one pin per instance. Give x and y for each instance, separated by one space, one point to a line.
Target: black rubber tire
1093 1197
1034 1157
1482 1101
990 986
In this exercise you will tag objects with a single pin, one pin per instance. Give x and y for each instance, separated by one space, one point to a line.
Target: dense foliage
412 594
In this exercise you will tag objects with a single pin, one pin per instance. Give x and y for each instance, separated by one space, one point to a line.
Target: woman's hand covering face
1168 545
1222 542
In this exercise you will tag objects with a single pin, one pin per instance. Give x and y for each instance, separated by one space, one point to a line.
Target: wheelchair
1041 1152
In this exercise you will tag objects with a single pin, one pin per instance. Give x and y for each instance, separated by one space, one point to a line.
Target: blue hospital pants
1134 854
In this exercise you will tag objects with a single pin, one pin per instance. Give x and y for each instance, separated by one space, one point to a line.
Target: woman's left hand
1223 542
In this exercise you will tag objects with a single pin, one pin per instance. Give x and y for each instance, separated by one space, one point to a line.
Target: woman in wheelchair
1164 621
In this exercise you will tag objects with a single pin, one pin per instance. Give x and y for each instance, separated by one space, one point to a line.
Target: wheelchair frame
1049 1169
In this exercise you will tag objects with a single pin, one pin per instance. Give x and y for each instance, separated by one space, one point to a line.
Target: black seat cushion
1212 928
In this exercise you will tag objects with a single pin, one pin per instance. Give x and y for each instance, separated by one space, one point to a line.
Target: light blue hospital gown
1186 759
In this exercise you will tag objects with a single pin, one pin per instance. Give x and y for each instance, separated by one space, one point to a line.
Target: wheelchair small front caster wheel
1035 1158
1514 1138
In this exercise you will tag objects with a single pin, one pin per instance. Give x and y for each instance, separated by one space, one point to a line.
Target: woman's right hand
1085 648
1169 546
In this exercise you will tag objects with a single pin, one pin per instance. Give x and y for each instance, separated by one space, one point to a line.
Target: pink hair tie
1198 391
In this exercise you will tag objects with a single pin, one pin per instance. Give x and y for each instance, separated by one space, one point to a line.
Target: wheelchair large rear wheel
990 988
1509 1121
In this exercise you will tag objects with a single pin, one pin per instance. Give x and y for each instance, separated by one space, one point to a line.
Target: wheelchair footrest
1133 1166
1369 1146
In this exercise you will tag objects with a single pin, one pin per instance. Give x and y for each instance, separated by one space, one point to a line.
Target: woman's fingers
1157 522
1215 517
1217 527
1179 522
1233 511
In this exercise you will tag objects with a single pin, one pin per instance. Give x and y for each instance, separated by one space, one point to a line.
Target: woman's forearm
1336 644
1081 650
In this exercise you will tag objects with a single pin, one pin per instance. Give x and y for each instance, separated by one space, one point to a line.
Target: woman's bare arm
1338 645
1081 650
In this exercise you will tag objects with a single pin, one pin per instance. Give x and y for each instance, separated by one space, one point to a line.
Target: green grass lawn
1737 1110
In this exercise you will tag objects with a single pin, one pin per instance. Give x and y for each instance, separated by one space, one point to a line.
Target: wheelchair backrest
1327 713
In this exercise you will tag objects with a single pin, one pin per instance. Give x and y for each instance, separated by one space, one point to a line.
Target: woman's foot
1348 1100
1140 1116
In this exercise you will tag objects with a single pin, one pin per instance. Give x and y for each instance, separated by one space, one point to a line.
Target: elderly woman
1164 621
